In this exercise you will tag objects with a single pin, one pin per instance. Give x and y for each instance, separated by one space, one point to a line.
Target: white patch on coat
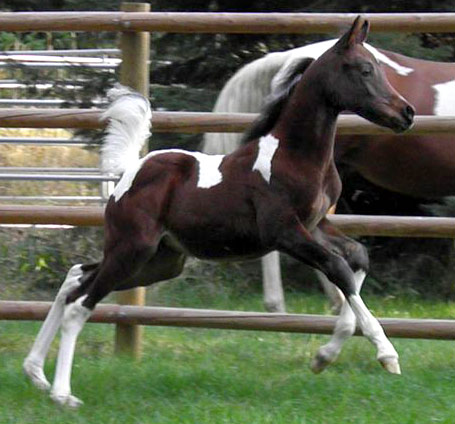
267 147
209 173
444 103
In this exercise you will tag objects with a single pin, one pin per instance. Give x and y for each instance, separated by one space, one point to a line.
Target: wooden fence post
134 73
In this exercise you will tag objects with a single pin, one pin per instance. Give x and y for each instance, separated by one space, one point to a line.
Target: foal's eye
366 70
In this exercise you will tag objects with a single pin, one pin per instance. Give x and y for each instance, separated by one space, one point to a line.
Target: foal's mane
276 101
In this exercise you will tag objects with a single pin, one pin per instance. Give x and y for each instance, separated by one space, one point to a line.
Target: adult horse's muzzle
403 117
406 119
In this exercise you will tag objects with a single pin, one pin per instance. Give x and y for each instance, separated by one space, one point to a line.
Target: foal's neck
307 123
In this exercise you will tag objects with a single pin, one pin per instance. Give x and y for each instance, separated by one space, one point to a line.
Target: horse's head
357 83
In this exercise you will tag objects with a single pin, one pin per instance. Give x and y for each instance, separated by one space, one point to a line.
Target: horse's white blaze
209 173
382 58
444 104
267 148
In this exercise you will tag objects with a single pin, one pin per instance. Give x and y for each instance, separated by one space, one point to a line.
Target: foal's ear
357 34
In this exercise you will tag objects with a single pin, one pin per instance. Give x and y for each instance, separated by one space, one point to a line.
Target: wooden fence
217 23
205 318
355 225
132 20
198 122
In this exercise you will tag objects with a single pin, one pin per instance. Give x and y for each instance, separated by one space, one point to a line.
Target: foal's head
355 82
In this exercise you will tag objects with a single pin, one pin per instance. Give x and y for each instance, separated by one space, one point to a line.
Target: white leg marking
74 318
372 330
34 362
344 327
267 147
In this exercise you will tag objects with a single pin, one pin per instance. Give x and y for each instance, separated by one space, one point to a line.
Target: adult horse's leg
34 362
272 284
298 242
335 296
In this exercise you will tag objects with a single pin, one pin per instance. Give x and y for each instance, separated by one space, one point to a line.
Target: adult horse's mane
276 100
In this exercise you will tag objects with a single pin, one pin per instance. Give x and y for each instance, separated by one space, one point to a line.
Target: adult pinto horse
419 166
270 194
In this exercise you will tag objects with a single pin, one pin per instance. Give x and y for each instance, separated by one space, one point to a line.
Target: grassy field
212 376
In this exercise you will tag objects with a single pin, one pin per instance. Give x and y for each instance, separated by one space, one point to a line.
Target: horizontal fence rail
19 169
66 52
51 141
243 23
84 199
69 60
197 122
88 178
43 102
49 65
203 318
367 225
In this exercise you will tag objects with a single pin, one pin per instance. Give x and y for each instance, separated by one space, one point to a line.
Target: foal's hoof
320 363
36 375
391 365
68 401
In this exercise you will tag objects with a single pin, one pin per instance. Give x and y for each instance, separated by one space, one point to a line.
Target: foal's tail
129 116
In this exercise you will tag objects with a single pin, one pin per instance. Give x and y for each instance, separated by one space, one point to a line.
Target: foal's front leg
299 243
344 327
357 258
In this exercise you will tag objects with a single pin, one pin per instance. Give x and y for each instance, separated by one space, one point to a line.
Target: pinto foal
270 194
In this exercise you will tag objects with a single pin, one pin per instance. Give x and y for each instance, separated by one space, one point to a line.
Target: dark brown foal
270 194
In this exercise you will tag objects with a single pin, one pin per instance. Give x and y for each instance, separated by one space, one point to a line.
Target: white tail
129 117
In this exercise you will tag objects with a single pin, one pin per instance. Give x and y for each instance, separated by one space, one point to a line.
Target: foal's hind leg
117 272
79 304
34 362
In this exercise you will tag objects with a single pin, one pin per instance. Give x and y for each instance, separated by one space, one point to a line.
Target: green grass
219 376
